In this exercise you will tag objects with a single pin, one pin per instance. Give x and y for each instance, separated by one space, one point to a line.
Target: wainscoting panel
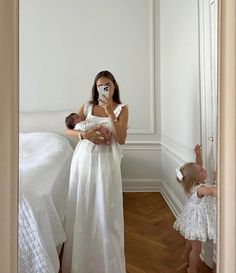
150 166
170 160
141 161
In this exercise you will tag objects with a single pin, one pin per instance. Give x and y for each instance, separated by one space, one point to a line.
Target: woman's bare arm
119 126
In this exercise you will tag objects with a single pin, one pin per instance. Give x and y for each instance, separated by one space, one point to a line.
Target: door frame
9 115
208 85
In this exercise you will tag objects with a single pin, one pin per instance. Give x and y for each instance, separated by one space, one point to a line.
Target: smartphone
103 90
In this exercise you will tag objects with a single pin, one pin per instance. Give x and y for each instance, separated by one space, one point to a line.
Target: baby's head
72 120
191 174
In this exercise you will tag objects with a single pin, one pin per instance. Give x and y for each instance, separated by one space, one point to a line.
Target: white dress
94 223
197 220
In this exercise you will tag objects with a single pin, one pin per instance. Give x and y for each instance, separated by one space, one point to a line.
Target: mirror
163 55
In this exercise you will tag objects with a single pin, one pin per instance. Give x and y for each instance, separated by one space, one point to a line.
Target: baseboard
151 185
171 199
141 185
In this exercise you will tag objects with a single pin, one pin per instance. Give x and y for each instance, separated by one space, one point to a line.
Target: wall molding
176 142
142 145
171 199
173 154
141 185
185 153
152 113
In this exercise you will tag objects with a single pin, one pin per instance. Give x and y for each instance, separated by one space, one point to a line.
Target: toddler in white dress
196 223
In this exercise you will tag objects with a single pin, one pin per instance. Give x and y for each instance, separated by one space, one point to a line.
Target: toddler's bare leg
188 248
194 256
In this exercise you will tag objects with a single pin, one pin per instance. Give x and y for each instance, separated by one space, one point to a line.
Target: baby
74 121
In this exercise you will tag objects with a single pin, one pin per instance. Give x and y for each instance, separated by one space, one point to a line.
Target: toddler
196 222
74 121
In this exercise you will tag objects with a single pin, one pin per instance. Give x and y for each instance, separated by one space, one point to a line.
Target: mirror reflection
117 136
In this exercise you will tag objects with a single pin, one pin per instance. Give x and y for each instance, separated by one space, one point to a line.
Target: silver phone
103 90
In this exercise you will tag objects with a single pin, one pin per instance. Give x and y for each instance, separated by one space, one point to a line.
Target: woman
94 223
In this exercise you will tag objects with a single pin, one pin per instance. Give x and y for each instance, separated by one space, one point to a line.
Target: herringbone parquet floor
151 244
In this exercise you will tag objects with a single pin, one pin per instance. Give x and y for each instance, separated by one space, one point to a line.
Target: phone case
103 90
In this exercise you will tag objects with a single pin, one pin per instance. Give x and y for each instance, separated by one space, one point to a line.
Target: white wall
151 47
226 120
64 44
180 94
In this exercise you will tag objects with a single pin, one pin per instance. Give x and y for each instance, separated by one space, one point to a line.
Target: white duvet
44 162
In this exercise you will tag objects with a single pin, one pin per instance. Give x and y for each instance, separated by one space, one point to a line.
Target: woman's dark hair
116 94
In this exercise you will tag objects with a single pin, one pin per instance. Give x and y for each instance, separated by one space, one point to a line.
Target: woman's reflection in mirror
94 220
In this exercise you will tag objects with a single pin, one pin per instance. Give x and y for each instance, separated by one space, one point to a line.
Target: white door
208 70
212 96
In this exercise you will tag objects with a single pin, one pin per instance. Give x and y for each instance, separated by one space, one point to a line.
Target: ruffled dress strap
88 108
118 109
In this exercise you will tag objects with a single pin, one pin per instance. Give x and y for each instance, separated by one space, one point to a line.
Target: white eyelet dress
197 220
94 221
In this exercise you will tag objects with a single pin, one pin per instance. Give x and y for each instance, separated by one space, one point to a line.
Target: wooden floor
151 244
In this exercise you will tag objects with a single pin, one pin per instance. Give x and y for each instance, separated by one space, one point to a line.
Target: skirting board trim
171 199
152 185
141 185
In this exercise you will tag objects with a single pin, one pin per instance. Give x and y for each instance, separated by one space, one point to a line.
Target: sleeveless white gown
94 221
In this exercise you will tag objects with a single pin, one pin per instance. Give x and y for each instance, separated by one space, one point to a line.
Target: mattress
44 166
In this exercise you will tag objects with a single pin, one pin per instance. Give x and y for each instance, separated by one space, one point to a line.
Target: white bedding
32 255
44 161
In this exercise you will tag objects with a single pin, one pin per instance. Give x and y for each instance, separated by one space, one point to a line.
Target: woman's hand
119 125
107 105
94 135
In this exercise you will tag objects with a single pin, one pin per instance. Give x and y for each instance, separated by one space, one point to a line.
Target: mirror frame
226 135
9 115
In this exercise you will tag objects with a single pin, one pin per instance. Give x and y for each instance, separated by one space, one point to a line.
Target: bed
44 166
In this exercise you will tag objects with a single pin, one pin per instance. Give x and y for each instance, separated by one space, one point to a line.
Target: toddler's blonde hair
190 173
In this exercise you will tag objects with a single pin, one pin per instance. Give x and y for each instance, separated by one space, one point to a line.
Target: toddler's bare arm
206 191
198 154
